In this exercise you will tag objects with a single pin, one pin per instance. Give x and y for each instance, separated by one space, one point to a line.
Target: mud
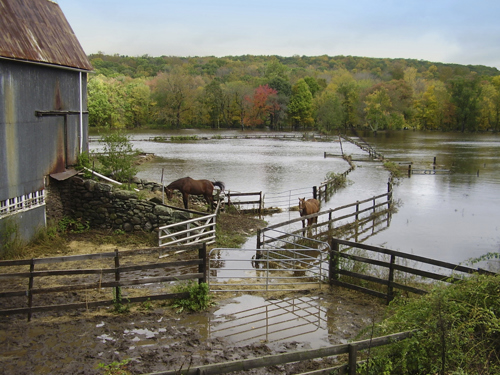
155 338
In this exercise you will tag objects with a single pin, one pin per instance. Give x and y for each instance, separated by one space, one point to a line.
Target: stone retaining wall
105 206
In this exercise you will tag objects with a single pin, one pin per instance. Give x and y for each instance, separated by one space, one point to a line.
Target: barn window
22 203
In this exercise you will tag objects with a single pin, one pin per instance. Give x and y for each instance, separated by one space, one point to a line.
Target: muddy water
451 215
447 216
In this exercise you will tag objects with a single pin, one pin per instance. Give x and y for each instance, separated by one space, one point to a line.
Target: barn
43 110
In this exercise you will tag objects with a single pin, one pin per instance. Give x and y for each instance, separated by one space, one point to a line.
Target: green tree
465 93
377 109
313 84
138 99
99 106
215 102
117 157
328 113
174 93
300 108
427 110
237 92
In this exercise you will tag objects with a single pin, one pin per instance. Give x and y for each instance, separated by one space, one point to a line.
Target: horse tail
220 184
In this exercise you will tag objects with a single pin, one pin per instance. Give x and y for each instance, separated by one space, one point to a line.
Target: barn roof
37 31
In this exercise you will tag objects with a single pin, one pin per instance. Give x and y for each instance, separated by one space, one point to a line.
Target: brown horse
308 207
189 186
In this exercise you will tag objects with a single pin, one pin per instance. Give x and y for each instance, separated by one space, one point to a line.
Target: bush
117 160
199 298
458 331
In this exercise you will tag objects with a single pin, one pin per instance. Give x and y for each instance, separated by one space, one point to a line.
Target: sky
448 31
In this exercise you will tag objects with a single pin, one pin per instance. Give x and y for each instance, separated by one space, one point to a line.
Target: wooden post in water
389 194
202 268
409 170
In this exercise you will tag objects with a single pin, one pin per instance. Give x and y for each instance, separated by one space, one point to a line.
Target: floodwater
451 216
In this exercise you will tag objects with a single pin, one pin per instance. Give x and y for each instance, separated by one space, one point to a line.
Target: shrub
118 157
199 298
458 331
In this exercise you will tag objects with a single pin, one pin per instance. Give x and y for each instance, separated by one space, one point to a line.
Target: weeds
11 243
120 307
458 331
199 298
70 225
183 138
395 171
115 368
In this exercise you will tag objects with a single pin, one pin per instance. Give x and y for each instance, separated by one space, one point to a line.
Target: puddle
252 319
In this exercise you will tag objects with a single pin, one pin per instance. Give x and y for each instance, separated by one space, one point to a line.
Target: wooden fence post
259 244
357 210
409 170
30 288
390 288
353 353
334 262
202 268
261 204
315 192
389 194
118 292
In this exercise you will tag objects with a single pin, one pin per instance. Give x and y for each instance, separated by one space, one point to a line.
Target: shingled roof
37 30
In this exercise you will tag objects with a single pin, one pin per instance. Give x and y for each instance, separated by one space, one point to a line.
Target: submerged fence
357 212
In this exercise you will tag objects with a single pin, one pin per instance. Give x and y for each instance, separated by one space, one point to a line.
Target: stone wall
105 206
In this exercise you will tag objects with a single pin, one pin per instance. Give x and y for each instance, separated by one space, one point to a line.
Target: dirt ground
155 338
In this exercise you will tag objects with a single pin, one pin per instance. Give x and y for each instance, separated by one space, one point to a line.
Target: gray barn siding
32 146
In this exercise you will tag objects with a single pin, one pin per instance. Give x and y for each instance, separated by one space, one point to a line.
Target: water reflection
251 319
450 217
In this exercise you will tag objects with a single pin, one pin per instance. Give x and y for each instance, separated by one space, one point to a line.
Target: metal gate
264 270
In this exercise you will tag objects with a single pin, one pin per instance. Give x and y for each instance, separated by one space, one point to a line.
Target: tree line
302 93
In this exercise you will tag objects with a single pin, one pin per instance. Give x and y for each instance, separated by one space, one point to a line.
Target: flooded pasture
450 216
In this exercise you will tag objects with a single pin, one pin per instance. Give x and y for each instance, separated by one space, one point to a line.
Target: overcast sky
450 31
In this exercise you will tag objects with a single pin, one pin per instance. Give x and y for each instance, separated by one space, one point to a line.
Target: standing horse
308 207
189 186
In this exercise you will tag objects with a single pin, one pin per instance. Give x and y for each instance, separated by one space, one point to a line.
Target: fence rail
394 265
94 277
258 201
284 271
351 349
326 219
192 231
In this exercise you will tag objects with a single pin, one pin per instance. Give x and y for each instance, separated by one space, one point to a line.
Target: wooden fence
388 269
351 349
365 147
358 211
94 280
255 200
191 231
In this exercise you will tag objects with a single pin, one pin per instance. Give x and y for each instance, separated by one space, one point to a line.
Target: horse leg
185 199
210 201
